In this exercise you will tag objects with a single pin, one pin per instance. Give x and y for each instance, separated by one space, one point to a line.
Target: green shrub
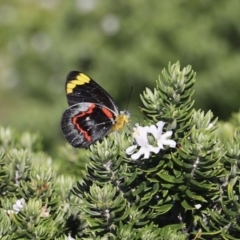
174 177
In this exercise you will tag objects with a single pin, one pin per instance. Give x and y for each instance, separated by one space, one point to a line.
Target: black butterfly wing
81 88
84 123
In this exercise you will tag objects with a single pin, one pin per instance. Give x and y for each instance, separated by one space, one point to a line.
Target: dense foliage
186 190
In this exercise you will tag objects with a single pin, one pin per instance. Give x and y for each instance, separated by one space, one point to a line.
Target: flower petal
137 155
140 135
170 143
167 134
130 150
160 125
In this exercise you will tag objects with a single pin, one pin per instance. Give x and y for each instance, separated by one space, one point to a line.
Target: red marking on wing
108 113
75 118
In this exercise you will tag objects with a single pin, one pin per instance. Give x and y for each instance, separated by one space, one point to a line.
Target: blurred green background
119 44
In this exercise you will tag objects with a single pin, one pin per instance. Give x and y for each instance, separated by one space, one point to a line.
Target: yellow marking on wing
69 90
83 78
80 80
71 85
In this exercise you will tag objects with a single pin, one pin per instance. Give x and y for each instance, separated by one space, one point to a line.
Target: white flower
18 205
141 138
162 139
198 206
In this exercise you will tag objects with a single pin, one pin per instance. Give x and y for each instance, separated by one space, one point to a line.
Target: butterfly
92 113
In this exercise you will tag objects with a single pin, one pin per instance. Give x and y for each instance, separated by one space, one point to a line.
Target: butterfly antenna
129 96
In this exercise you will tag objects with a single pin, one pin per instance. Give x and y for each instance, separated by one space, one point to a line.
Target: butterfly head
120 121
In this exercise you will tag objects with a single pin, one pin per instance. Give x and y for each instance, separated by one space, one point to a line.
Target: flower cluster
142 145
17 206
